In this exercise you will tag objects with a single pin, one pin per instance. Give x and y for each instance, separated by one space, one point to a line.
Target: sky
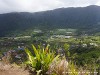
7 6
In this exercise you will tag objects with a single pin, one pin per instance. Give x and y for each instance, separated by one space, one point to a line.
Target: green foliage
41 59
66 48
72 69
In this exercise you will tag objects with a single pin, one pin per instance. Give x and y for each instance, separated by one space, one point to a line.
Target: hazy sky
41 5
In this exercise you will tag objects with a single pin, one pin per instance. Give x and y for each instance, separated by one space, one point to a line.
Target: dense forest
82 18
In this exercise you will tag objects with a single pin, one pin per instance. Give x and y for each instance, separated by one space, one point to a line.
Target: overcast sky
7 6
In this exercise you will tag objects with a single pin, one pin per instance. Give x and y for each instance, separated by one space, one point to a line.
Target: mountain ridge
72 17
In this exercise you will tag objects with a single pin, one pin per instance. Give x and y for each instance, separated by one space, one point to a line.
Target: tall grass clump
40 58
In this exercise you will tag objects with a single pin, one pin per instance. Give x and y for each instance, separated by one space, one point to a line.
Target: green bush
41 59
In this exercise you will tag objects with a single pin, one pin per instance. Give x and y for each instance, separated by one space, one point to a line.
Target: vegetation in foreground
43 61
58 59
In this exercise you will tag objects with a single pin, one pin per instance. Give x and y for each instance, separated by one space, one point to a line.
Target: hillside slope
87 18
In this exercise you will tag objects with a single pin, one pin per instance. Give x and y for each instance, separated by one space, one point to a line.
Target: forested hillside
81 18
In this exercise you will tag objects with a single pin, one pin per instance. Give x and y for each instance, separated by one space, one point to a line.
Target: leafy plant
41 59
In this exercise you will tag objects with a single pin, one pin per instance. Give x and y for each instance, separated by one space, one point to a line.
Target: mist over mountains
81 18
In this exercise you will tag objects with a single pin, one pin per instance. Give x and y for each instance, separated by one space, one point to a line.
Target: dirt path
12 70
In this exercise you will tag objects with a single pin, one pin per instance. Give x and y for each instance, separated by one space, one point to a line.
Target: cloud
41 5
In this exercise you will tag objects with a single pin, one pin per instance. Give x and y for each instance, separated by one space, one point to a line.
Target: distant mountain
82 18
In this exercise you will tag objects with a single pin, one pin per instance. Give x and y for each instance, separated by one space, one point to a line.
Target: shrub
41 59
